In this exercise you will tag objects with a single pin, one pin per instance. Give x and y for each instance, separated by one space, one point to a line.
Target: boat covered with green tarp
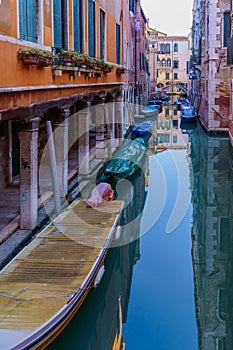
126 161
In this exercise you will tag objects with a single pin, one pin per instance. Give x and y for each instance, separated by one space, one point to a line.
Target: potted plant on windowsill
28 56
107 68
120 70
67 57
45 58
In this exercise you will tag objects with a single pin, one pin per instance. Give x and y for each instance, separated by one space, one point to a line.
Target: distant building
172 65
168 61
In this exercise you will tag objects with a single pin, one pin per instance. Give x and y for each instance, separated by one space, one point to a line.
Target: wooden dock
43 287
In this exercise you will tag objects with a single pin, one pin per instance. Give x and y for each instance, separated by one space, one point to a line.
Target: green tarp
126 160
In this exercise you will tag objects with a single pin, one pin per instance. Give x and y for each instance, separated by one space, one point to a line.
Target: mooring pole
53 167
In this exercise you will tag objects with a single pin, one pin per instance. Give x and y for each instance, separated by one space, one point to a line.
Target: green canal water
173 277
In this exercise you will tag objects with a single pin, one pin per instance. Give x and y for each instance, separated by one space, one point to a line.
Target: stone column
60 135
28 136
108 130
100 122
83 140
119 119
111 117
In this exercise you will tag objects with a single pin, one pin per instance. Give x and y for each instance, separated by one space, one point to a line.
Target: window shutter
102 34
31 21
91 28
57 27
131 5
23 19
175 47
118 43
227 28
77 14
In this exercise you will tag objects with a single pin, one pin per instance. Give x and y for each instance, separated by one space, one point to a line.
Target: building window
162 48
167 76
131 5
28 20
175 64
175 75
60 24
102 34
163 62
175 47
91 28
227 28
168 62
118 43
78 25
152 36
167 48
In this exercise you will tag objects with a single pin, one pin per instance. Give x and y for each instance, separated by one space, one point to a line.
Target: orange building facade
63 68
40 86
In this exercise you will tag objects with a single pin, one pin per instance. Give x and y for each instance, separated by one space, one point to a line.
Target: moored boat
142 129
188 114
126 161
45 285
149 111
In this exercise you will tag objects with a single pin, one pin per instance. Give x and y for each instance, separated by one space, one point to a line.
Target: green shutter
27 20
77 14
57 26
118 43
31 20
227 28
91 28
23 19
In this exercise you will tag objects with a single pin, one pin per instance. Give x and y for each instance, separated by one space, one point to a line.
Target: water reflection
212 239
160 314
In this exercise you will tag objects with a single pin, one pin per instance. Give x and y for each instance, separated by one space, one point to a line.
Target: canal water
168 284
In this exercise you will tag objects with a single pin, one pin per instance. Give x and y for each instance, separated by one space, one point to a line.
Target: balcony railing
164 67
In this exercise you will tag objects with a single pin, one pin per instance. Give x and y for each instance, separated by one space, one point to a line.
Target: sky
173 17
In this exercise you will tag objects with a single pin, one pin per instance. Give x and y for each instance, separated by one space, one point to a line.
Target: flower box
36 57
120 70
45 62
30 59
29 56
107 70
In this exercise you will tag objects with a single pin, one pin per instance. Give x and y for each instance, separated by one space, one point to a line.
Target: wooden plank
46 274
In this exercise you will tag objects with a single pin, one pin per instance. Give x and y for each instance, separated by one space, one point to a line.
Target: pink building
134 51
